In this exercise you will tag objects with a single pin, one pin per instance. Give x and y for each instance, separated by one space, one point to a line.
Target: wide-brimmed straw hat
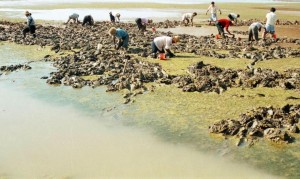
176 39
112 31
27 13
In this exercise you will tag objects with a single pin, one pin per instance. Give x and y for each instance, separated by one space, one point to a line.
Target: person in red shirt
223 23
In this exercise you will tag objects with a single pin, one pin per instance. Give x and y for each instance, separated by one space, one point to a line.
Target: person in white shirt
118 15
270 22
233 17
213 10
73 17
162 44
142 22
254 28
187 17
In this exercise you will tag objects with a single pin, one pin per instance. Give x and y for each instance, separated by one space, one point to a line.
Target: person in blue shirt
122 35
30 25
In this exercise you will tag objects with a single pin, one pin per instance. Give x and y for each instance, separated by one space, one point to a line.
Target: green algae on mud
179 64
33 52
182 117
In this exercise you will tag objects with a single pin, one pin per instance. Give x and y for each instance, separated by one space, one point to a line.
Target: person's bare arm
228 31
114 39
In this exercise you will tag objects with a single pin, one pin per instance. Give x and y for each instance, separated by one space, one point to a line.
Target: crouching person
224 23
88 20
254 29
122 35
142 23
73 17
30 25
162 44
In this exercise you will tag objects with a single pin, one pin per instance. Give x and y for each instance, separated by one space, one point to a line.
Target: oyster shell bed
208 78
273 124
12 68
122 69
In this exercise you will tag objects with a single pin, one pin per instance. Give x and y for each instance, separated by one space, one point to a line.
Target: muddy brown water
55 132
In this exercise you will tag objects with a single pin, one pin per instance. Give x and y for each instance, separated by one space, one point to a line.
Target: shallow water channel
56 131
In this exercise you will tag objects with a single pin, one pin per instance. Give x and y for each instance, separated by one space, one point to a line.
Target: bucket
162 56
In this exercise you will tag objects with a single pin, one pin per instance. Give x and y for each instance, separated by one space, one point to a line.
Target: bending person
162 44
73 17
254 29
88 20
233 17
142 22
187 17
224 23
122 35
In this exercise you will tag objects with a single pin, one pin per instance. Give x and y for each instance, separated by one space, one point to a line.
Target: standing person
30 25
142 22
223 23
122 35
187 17
270 23
233 17
73 17
213 10
162 44
254 29
118 15
88 19
112 17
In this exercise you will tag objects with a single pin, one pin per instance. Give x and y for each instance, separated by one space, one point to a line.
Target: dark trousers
87 20
112 18
155 49
220 28
30 29
138 22
253 31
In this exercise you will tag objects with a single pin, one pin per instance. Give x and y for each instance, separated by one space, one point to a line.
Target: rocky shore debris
124 70
274 124
208 78
11 68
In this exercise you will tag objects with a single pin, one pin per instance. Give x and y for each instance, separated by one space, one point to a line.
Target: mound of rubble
208 78
12 68
273 124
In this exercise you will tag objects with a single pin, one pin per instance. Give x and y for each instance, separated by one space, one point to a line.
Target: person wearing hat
223 23
254 29
162 44
112 17
122 35
213 10
187 17
118 15
73 17
30 25
88 19
233 17
142 22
